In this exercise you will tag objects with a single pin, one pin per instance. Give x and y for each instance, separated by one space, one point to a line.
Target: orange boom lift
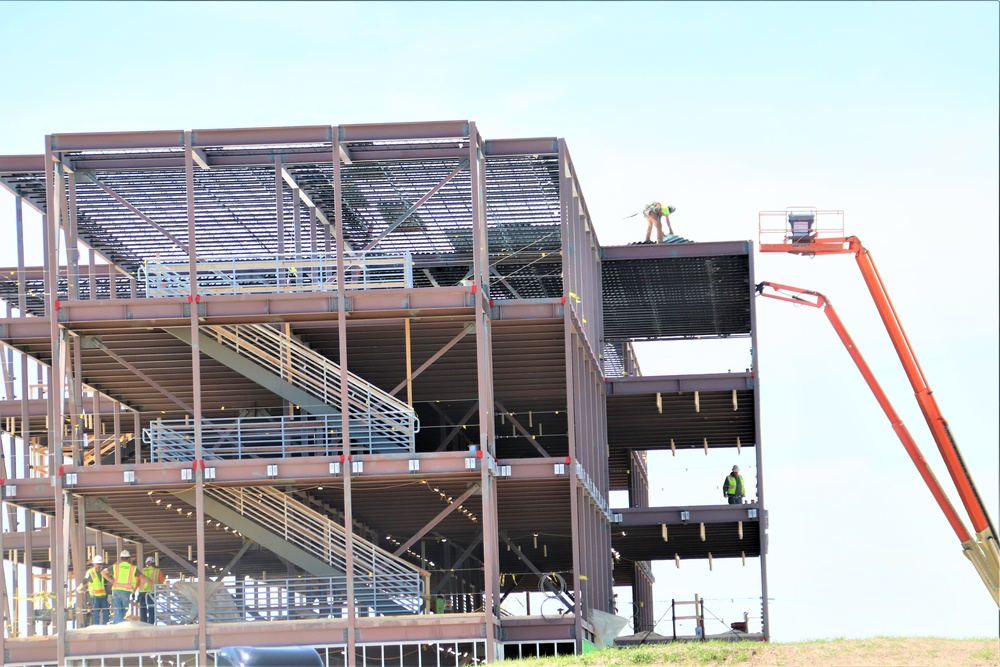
801 233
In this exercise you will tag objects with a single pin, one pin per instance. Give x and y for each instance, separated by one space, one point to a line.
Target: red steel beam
99 141
653 516
535 146
456 129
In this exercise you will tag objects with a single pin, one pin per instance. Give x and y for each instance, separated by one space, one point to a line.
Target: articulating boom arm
981 550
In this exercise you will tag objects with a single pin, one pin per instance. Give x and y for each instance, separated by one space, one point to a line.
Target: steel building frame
507 333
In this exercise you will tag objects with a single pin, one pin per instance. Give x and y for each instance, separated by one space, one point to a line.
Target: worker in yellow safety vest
97 587
125 579
147 598
733 488
653 212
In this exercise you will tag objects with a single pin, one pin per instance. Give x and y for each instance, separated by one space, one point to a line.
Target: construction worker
653 213
125 579
733 488
147 598
97 586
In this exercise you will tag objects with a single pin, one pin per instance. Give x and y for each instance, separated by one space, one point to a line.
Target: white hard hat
98 560
125 554
150 559
736 468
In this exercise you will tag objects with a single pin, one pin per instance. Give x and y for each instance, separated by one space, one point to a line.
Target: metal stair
284 365
316 544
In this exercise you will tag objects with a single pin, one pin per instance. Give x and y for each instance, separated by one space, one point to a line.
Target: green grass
691 654
990 654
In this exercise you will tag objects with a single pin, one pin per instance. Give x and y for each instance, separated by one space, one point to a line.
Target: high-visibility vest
124 579
95 583
734 485
153 575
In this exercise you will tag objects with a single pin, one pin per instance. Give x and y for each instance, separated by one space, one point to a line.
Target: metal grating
676 297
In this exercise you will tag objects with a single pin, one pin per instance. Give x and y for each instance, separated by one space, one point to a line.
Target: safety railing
261 437
387 576
236 600
798 225
288 272
377 418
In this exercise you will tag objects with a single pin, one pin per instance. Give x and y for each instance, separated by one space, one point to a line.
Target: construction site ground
876 652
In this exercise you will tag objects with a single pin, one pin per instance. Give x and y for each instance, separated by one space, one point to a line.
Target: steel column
762 520
484 364
193 300
338 196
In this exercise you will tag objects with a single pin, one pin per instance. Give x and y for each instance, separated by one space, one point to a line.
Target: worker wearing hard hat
733 488
147 597
125 579
98 587
653 213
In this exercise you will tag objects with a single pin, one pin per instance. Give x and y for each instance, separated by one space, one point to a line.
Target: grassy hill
877 652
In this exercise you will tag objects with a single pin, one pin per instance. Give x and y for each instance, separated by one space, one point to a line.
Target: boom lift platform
810 232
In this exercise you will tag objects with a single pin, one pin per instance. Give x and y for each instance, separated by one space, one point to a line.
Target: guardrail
388 576
263 437
237 600
288 272
380 416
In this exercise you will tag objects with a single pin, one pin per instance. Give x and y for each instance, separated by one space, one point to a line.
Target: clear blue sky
888 111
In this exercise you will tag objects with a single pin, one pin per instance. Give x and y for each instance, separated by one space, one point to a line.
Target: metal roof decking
665 291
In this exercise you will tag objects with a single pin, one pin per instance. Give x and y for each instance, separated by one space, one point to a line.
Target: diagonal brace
436 520
461 559
420 202
125 521
458 427
469 328
127 204
520 429
95 343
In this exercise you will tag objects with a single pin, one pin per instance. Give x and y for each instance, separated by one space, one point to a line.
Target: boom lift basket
797 227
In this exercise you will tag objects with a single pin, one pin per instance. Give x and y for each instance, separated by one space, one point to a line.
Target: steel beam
532 147
671 516
671 250
311 470
36 407
404 131
677 384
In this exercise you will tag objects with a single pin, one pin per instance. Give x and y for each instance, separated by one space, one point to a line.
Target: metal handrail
263 437
278 273
237 600
377 413
321 537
